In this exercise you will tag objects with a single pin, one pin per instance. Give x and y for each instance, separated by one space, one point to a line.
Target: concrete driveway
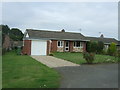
53 62
83 76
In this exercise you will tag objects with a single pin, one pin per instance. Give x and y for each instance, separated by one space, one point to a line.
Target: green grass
78 57
25 72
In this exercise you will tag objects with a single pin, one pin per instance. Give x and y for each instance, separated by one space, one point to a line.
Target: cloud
92 18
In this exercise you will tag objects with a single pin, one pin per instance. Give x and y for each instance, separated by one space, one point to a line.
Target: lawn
78 57
25 72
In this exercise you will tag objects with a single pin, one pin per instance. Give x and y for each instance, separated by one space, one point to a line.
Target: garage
38 47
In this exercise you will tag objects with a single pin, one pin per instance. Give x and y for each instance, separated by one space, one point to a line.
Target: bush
112 49
104 52
51 54
118 55
89 57
100 47
91 46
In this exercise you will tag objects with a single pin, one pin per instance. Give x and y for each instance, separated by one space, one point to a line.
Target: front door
67 46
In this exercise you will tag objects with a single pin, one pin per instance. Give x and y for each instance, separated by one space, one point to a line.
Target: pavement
83 76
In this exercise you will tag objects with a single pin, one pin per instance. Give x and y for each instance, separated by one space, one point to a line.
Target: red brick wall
48 45
71 46
27 47
84 47
54 46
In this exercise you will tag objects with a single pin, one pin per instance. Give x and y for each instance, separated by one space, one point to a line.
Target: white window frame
81 44
61 43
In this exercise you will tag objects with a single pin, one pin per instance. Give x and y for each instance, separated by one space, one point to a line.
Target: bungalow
41 42
106 41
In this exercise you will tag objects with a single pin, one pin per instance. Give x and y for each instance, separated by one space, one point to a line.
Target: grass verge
25 72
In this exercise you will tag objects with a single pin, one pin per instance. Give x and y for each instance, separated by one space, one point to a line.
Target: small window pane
74 44
81 44
58 43
61 43
78 44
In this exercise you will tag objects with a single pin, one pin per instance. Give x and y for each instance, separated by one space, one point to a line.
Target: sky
88 18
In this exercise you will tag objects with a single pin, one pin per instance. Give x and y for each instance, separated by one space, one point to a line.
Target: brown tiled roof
105 40
43 34
37 34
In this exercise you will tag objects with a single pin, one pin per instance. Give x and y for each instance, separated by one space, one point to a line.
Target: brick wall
54 46
71 46
84 46
48 47
27 47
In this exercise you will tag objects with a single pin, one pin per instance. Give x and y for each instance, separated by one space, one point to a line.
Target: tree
88 47
112 49
100 46
5 31
16 34
91 46
94 46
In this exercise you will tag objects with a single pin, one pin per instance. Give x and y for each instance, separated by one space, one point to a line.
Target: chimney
62 30
102 36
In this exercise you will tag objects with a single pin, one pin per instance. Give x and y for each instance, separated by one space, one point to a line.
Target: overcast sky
88 18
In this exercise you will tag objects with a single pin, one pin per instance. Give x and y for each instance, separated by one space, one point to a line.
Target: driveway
83 76
53 62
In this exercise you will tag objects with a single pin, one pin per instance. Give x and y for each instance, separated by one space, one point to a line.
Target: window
74 44
78 44
60 43
81 44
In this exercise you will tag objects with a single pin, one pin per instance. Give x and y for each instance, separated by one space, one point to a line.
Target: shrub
118 55
91 46
89 57
100 47
112 49
51 54
88 46
104 52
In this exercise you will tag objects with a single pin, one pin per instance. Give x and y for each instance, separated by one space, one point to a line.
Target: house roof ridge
55 31
99 37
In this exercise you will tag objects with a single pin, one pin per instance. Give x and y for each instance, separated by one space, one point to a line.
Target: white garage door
38 47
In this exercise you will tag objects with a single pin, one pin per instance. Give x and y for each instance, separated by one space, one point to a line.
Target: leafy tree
112 49
100 46
16 34
5 31
91 46
94 46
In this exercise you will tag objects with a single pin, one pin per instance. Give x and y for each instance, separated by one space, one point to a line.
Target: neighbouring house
106 41
17 43
118 45
7 44
41 42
